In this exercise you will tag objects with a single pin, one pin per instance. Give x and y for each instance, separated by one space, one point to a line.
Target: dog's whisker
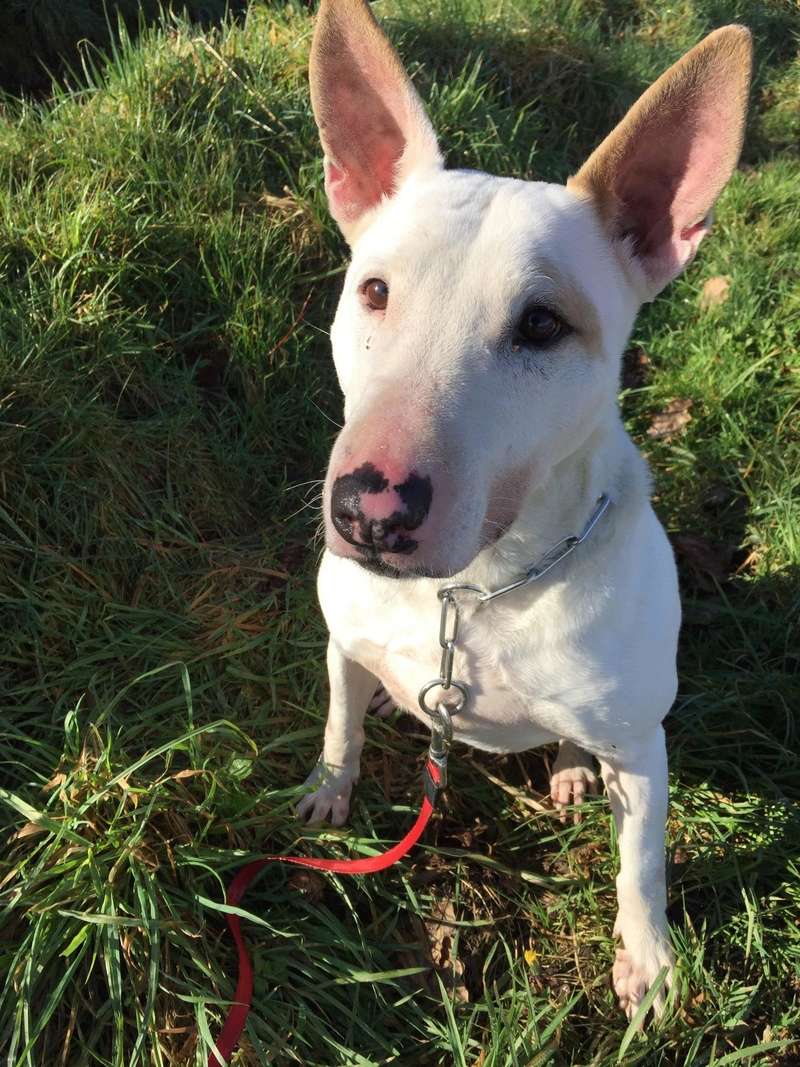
325 415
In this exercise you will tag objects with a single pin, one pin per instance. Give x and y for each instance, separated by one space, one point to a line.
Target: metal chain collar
441 725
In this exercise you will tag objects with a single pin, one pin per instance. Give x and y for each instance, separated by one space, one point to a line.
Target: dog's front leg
351 688
638 791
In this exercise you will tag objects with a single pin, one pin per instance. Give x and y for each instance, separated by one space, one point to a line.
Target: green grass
168 272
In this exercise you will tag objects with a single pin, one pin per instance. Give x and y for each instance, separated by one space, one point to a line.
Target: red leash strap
237 1016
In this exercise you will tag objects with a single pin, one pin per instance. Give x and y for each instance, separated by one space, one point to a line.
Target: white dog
477 343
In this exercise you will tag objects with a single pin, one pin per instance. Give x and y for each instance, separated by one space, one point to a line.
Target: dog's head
478 336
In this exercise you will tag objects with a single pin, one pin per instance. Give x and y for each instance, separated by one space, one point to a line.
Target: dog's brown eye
377 293
540 326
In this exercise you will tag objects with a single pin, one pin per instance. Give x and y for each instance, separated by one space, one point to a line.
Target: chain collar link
441 724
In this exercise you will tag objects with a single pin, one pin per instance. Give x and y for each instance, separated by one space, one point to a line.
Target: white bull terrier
477 343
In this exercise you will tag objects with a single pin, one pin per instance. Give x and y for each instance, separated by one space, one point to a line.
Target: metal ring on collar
465 587
452 708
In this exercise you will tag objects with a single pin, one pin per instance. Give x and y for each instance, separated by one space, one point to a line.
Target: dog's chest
495 718
517 696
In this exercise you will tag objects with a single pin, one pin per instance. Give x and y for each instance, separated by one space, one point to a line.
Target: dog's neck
606 462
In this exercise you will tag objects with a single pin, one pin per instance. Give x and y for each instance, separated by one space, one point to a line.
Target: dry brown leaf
715 291
635 368
310 883
750 560
28 830
440 928
671 421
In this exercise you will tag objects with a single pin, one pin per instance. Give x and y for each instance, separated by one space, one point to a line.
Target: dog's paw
328 798
572 778
636 969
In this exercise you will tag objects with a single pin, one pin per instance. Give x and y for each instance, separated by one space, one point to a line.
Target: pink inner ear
364 134
669 182
355 186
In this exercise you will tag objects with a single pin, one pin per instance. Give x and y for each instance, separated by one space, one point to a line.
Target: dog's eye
540 326
376 292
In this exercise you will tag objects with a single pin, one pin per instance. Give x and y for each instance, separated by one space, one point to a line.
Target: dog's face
478 335
474 351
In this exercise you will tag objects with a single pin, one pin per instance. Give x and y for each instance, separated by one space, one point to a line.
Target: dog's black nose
374 535
371 535
373 517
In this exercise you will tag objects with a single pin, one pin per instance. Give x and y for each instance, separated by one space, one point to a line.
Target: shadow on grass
39 41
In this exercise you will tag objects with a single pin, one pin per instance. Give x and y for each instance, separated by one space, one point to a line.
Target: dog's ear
372 123
656 177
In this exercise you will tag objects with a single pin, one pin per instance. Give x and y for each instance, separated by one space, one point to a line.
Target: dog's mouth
375 564
497 530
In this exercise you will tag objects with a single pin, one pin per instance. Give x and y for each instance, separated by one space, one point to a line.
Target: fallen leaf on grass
715 291
440 928
310 884
672 420
465 838
749 562
635 368
28 830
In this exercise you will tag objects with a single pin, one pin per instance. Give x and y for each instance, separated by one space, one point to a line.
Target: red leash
434 779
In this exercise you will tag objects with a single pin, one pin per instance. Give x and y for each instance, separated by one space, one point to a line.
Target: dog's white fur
525 440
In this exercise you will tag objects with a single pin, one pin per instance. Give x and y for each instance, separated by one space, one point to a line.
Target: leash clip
435 774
